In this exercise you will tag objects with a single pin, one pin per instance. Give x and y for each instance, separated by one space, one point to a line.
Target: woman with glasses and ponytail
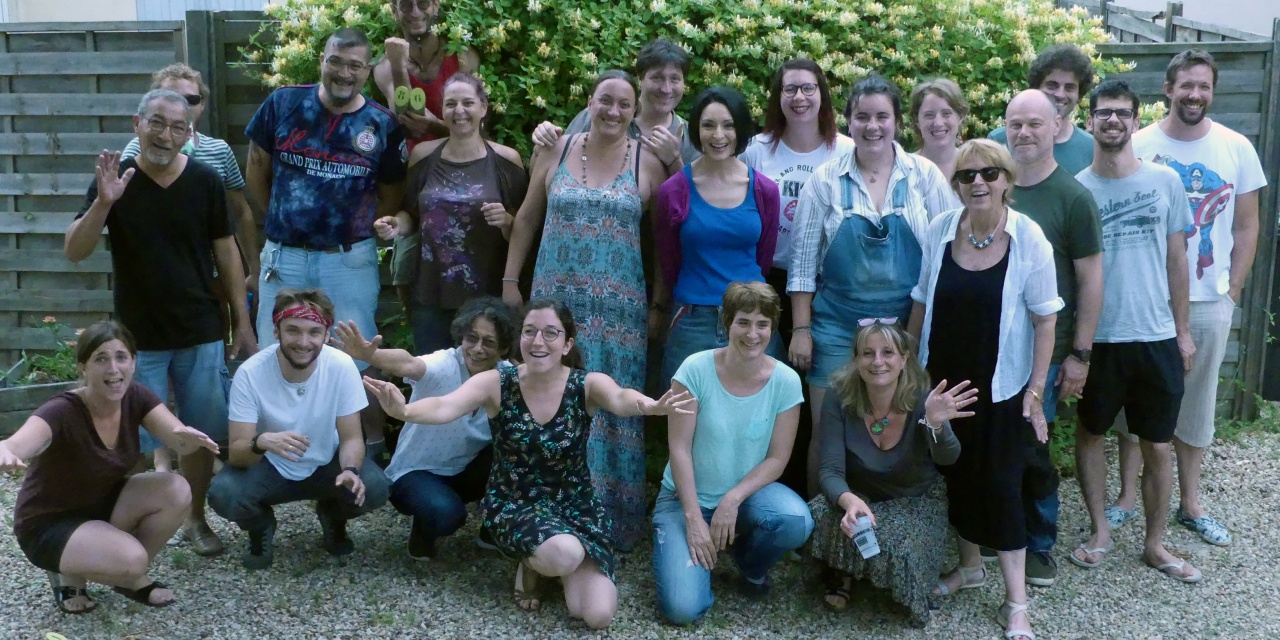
855 253
540 506
984 310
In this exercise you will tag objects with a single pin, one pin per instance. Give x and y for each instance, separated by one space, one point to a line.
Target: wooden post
200 57
1104 12
1256 325
1171 9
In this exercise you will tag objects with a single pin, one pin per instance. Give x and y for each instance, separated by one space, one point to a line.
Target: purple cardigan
673 210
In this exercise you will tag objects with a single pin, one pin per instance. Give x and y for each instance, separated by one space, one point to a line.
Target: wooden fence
67 91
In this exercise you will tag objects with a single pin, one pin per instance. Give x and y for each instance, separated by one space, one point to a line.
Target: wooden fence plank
44 184
55 300
52 260
1126 51
66 27
26 338
1133 25
102 63
25 223
1181 23
1152 82
69 104
71 144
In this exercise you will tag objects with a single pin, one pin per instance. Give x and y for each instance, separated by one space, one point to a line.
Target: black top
162 255
967 350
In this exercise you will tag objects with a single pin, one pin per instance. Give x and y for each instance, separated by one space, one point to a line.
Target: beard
288 356
1190 120
1113 147
158 157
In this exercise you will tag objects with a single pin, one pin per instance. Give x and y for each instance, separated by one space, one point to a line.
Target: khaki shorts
404 261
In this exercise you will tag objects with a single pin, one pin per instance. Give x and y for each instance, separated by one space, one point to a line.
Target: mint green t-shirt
732 433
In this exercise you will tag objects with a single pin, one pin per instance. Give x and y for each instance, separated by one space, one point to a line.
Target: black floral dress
539 485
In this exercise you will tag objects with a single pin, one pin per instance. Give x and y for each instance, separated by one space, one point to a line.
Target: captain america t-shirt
325 166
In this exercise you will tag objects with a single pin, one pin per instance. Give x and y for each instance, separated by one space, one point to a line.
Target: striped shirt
825 204
210 151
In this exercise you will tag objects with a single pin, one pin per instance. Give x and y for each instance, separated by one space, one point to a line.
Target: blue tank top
718 246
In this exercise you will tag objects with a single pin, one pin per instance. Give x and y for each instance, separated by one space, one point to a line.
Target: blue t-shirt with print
325 166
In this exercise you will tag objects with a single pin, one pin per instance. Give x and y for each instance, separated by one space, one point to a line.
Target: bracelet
933 431
352 470
253 446
515 280
1035 395
803 327
639 409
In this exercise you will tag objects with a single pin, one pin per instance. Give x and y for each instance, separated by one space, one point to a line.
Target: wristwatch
253 446
1082 355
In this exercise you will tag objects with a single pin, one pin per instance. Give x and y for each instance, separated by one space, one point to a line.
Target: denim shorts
200 385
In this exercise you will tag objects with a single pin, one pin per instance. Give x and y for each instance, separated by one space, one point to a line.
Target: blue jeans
431 327
438 504
200 382
1040 481
695 328
246 495
773 521
349 278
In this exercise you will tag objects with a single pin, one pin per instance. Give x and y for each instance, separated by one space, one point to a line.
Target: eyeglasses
807 89
866 322
989 174
157 126
193 99
354 66
406 6
549 333
472 339
1105 114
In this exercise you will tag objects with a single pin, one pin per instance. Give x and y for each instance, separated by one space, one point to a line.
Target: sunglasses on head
967 176
193 99
866 322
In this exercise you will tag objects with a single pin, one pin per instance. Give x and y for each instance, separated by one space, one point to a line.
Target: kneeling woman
540 505
883 433
720 486
107 526
437 470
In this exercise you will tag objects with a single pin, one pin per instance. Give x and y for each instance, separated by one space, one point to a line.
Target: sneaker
1117 515
755 590
333 532
485 541
1209 529
421 546
1042 569
988 554
260 553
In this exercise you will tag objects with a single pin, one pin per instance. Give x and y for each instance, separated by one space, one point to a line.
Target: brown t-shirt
78 474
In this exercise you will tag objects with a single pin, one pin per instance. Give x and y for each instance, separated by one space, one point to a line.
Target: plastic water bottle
865 538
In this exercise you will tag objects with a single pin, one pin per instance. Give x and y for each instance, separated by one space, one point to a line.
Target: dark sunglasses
966 176
193 99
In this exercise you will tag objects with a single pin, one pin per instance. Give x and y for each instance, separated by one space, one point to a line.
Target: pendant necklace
875 172
878 426
586 139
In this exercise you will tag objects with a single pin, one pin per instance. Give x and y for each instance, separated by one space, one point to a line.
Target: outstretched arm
482 390
604 393
397 362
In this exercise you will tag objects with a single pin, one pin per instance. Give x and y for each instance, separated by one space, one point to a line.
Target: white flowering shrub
540 56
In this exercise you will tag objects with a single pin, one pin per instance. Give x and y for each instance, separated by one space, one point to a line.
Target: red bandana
302 312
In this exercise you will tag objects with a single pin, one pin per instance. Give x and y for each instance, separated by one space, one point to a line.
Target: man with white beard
295 433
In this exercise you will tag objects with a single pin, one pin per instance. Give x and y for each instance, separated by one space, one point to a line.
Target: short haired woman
884 430
540 506
437 470
720 486
985 308
106 526
716 223
938 110
462 192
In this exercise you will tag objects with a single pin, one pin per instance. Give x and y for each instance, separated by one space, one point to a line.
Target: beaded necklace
586 139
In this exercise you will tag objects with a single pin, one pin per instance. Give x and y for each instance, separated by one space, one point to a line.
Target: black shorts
44 540
1143 378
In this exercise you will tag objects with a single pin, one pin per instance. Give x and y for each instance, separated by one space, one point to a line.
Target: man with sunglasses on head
1143 345
327 162
167 216
1048 194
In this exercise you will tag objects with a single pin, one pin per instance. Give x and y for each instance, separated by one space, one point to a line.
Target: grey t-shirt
678 127
1138 214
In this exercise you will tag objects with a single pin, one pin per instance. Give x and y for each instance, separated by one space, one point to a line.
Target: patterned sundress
538 485
590 259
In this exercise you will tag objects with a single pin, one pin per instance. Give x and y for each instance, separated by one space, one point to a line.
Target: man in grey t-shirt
1142 348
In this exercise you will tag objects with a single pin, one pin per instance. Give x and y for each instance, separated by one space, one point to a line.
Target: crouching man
295 433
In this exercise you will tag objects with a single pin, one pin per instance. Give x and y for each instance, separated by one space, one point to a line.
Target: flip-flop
143 595
1088 552
62 593
1174 570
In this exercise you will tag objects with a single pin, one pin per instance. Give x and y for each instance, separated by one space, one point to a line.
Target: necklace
878 426
586 139
875 172
991 238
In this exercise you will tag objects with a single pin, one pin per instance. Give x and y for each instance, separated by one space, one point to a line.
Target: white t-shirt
791 171
260 395
1138 214
442 449
1214 170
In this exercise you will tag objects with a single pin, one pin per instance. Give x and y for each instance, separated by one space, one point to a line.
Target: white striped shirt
209 150
823 208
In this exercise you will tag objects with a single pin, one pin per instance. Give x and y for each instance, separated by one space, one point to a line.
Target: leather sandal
143 595
62 593
528 589
969 579
1008 610
838 589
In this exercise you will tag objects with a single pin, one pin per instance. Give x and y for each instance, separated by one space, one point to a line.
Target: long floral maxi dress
590 259
538 484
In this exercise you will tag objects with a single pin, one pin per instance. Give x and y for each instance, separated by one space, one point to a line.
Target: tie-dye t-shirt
325 166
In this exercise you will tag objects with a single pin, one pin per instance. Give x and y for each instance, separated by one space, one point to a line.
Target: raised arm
85 232
397 362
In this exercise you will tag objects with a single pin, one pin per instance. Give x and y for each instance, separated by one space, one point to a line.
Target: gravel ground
379 593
